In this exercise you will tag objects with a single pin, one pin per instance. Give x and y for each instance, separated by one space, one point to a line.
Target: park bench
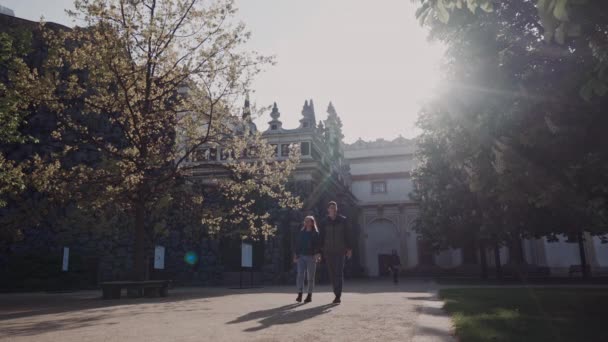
577 269
147 288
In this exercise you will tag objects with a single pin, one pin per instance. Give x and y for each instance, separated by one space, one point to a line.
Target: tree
143 85
515 91
12 113
570 23
455 179
447 213
242 196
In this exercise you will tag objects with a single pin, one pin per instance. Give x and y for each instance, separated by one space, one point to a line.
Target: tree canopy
138 90
519 118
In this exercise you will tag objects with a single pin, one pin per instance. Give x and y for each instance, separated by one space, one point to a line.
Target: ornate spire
312 113
321 129
331 110
308 115
305 108
333 127
246 109
275 112
275 123
332 117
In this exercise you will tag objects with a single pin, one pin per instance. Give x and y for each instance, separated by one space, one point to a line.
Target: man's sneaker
337 300
308 298
299 299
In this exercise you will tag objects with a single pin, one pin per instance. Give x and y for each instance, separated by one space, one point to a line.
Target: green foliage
138 91
573 24
441 9
14 46
511 132
13 49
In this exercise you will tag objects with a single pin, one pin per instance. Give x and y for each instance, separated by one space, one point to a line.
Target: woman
307 254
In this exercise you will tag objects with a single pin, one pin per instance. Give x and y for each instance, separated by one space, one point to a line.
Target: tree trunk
497 261
581 250
516 252
483 261
140 241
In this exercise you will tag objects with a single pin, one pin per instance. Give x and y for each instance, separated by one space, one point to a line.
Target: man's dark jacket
336 235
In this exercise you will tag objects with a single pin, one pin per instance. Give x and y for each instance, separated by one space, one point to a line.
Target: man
394 266
336 242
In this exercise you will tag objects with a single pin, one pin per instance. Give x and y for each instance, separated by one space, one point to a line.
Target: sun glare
373 62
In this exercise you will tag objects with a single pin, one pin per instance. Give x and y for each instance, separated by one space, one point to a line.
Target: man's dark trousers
335 268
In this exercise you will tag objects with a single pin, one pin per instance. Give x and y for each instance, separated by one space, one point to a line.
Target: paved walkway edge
433 324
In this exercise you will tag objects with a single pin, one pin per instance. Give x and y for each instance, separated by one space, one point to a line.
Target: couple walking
333 240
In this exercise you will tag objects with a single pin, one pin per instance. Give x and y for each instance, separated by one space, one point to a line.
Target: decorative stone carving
361 144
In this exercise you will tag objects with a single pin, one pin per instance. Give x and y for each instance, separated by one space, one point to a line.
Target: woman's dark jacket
313 245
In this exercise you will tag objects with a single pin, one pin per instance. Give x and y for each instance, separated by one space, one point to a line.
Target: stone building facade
380 180
322 175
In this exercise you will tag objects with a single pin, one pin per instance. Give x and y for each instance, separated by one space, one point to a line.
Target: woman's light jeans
306 265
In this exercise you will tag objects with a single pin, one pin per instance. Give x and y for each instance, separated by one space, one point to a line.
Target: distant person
307 254
395 266
336 237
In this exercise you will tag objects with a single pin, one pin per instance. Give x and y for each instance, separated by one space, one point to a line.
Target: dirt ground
370 311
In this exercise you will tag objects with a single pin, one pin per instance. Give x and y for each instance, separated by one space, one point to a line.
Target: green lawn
518 314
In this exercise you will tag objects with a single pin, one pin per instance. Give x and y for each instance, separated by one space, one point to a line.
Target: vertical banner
66 259
246 255
159 258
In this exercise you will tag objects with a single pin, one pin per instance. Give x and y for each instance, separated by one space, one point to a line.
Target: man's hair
332 203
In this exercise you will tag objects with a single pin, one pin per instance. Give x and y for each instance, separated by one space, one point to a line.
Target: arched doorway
382 238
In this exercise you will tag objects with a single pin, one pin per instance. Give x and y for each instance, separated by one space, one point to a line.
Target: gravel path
370 311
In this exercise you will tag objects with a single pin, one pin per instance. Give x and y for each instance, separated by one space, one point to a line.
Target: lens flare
191 258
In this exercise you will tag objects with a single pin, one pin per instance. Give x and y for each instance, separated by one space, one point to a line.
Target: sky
370 58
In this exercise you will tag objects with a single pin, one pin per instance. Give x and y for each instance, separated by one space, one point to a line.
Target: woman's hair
314 223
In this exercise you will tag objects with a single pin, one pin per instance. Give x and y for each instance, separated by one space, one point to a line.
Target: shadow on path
29 305
285 314
15 329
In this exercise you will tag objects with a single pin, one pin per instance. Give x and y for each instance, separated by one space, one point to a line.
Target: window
225 154
276 149
305 124
273 127
378 187
212 154
252 152
285 150
201 154
305 148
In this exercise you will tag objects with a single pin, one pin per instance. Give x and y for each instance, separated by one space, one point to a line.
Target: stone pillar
361 241
590 251
404 233
540 254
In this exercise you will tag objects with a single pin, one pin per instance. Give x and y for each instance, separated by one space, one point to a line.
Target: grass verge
528 314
